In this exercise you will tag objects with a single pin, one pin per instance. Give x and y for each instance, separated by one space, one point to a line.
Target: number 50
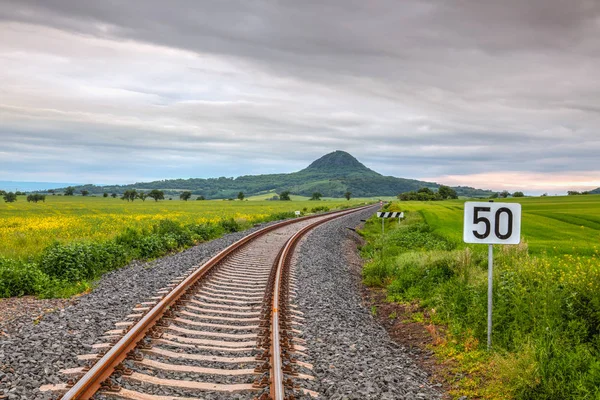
477 219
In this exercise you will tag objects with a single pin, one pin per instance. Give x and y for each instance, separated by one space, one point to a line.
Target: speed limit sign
492 223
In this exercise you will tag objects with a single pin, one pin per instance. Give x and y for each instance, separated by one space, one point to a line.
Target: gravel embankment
352 354
33 353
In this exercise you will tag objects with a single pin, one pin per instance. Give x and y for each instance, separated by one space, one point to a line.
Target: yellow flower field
27 228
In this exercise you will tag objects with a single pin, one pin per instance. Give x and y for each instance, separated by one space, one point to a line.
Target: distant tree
423 194
105 194
142 196
200 198
18 193
316 196
285 195
347 195
446 192
241 196
52 192
545 195
518 194
2 192
573 193
494 196
36 197
130 195
69 191
114 195
185 195
10 197
504 194
157 194
84 192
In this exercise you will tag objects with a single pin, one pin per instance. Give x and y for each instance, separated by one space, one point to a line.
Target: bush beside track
65 269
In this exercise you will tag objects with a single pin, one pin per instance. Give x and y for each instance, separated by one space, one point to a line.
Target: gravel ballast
33 353
352 354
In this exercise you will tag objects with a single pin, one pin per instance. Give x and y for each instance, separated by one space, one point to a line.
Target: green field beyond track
59 247
546 328
552 225
27 228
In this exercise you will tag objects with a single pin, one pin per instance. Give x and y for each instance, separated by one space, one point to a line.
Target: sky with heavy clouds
493 94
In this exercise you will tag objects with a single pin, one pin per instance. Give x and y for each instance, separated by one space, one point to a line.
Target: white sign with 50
492 223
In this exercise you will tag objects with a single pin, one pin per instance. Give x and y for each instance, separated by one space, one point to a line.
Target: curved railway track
226 327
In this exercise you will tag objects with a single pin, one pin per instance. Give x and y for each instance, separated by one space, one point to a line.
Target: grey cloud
430 87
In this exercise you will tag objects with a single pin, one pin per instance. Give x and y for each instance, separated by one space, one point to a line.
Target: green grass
26 229
550 225
546 295
59 247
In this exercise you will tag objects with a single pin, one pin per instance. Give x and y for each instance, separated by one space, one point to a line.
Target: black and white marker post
492 223
384 215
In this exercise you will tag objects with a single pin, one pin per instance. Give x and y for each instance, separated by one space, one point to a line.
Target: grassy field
57 248
550 225
546 295
27 228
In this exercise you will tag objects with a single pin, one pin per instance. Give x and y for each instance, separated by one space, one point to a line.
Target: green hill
332 175
595 191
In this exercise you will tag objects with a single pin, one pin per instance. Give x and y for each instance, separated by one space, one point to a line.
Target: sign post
384 215
492 223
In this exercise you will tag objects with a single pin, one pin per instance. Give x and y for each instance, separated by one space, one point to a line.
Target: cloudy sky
494 94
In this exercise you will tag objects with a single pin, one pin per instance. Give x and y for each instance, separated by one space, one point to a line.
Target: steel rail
277 390
92 380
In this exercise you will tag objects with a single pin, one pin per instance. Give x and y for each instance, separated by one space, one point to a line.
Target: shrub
319 208
18 279
229 225
206 231
181 235
74 262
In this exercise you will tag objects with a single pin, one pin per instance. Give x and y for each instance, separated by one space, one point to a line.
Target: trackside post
491 223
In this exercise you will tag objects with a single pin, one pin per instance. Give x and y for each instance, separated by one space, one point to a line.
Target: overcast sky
493 94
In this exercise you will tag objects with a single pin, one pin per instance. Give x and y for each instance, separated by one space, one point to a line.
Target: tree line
445 193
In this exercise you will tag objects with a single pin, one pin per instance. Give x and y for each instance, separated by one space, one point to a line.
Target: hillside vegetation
331 175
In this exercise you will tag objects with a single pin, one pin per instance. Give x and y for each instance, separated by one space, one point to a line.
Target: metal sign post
492 223
490 293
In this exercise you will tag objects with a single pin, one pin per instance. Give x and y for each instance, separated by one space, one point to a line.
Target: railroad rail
237 303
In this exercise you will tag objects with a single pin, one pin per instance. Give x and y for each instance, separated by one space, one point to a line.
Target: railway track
226 329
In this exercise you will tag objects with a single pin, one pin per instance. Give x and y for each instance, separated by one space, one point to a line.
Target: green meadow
546 332
550 225
59 247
